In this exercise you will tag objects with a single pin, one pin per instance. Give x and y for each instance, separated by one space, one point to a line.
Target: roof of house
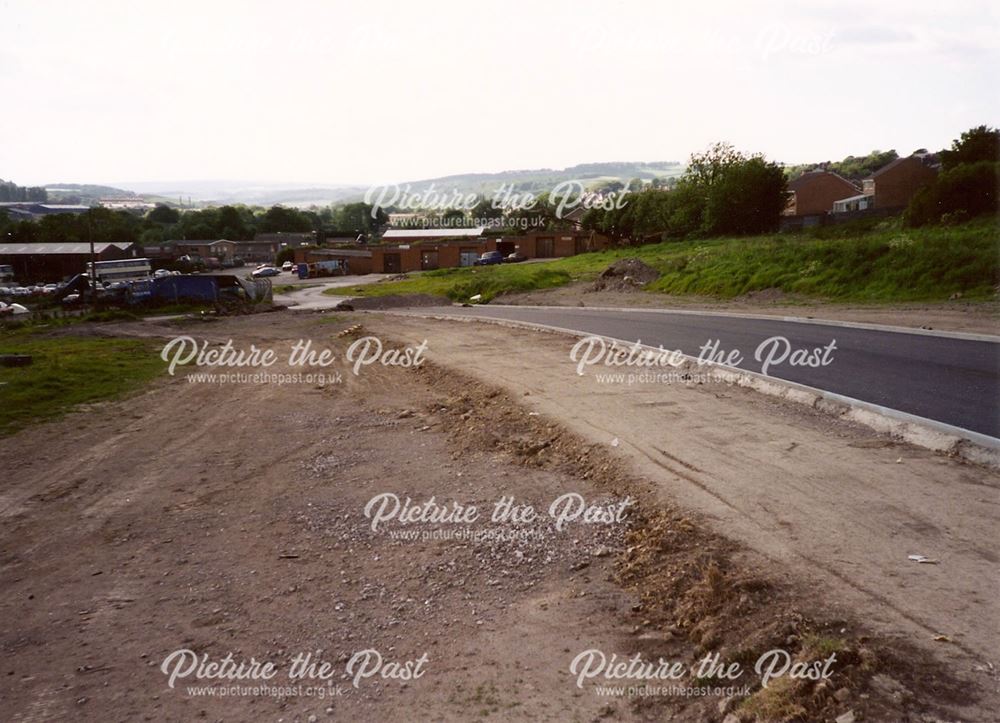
433 233
195 242
341 252
809 176
56 248
899 161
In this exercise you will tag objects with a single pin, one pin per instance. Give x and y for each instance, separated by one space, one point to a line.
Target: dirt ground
229 518
978 317
833 503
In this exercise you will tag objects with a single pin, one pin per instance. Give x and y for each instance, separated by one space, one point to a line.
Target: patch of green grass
884 264
461 283
778 702
332 319
68 371
821 646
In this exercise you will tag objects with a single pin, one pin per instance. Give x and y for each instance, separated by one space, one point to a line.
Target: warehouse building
51 262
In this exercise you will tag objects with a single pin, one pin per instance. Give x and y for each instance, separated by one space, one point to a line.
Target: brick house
893 185
221 249
814 193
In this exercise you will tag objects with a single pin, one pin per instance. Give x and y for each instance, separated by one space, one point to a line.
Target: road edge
942 333
919 431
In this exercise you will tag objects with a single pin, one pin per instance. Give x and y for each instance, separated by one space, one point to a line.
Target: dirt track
836 502
229 518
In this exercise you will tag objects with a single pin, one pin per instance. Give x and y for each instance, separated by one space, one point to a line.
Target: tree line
967 185
162 224
722 191
11 192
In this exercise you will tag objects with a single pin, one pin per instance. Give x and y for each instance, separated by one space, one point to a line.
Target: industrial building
51 262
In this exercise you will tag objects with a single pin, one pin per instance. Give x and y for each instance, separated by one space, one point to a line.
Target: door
429 260
468 258
391 264
543 248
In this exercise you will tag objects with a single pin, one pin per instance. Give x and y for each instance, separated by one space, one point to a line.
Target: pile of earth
392 301
625 275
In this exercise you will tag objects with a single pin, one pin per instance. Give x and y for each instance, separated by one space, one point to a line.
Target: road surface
311 297
947 379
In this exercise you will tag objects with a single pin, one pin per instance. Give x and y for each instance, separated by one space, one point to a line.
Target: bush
747 198
967 190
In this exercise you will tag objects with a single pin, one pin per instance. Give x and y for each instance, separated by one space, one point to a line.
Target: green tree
705 168
163 214
452 217
280 218
233 225
358 217
484 209
957 194
746 198
981 143
286 254
151 237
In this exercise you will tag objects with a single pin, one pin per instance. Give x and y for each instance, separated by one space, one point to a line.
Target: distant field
883 265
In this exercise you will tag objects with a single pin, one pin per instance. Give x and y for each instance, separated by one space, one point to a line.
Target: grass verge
886 264
68 371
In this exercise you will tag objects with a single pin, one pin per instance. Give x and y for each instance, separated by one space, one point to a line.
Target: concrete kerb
919 431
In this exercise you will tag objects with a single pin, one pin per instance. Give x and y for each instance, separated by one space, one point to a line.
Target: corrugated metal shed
56 248
434 233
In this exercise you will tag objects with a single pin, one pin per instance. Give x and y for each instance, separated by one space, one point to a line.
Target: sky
369 92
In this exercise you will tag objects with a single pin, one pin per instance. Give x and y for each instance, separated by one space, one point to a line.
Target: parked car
161 273
265 271
288 266
514 258
489 258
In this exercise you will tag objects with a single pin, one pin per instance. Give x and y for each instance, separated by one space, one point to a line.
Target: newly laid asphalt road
950 380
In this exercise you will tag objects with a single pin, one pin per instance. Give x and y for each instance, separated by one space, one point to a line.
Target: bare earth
977 317
229 518
836 504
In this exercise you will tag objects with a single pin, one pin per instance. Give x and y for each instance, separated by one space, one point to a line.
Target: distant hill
82 193
252 193
263 193
544 179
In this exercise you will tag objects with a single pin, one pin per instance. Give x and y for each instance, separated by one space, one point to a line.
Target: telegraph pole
93 259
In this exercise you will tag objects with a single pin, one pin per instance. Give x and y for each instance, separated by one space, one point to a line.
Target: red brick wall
896 186
818 194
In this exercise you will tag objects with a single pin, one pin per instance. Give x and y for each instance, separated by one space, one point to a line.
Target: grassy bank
884 265
68 371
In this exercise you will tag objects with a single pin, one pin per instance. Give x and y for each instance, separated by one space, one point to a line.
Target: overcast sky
360 92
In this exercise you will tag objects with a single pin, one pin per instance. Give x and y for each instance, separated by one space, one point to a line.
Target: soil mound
625 275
